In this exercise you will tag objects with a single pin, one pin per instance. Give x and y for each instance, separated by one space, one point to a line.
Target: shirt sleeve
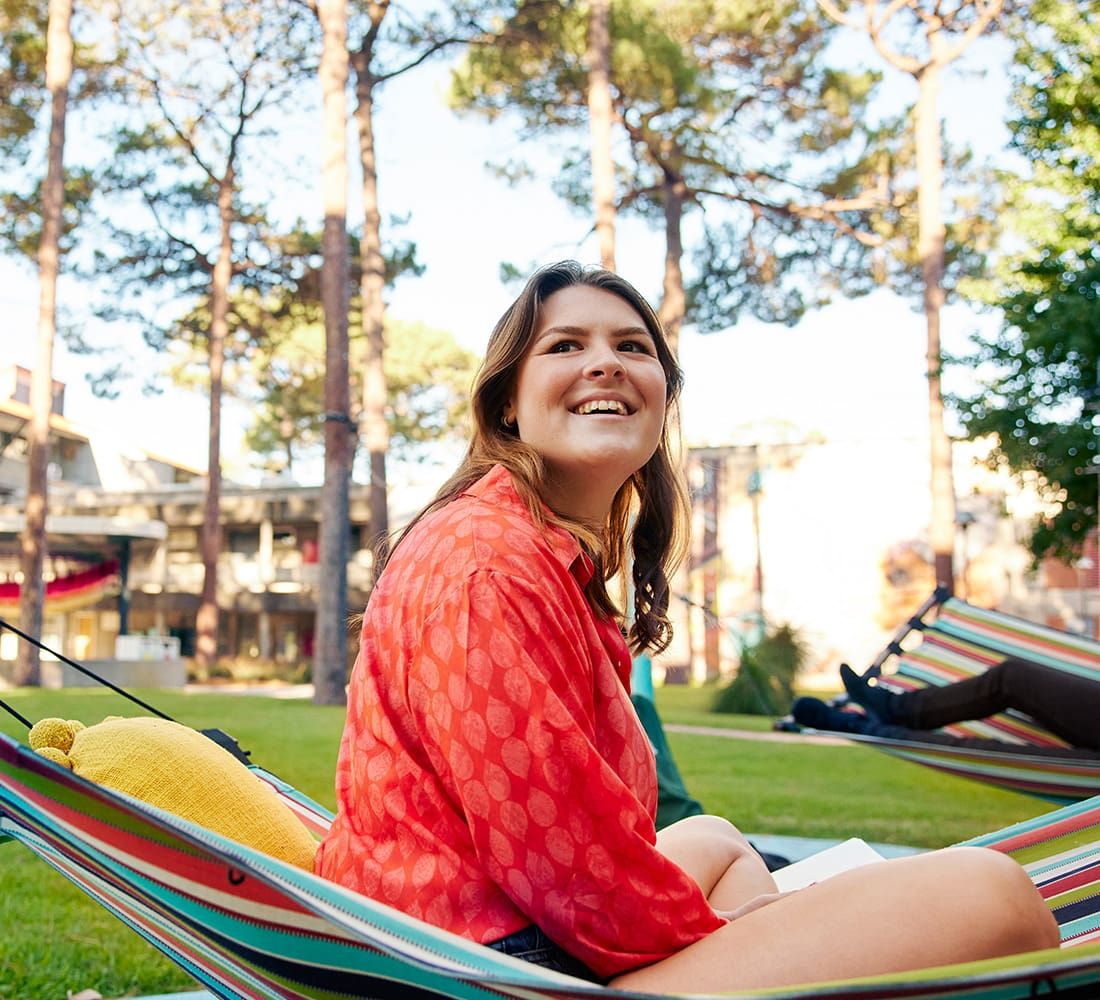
554 825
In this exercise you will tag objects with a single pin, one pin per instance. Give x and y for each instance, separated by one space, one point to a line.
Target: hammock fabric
67 593
1010 750
248 926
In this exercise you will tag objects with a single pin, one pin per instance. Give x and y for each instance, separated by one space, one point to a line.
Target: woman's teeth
602 406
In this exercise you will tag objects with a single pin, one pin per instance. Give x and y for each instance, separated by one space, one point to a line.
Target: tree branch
637 194
185 138
200 257
377 12
826 212
985 16
437 46
907 64
832 11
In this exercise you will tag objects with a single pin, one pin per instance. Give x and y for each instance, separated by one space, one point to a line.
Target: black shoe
875 700
816 714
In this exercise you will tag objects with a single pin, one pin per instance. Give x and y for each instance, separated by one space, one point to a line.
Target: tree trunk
930 241
673 299
59 66
372 285
206 650
599 119
331 647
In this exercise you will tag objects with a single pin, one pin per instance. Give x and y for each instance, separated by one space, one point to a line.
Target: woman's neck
588 503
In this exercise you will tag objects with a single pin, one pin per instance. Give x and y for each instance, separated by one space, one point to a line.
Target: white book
853 853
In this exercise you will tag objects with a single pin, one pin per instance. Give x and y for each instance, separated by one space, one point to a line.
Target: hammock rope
5 624
11 711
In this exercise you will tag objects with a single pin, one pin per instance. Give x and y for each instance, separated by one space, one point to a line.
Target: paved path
273 689
767 736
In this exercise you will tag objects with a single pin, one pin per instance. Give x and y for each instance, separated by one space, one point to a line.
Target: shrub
764 683
251 670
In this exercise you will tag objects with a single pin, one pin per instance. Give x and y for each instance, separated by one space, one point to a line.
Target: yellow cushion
182 772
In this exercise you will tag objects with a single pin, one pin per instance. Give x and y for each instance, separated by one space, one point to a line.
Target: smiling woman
493 779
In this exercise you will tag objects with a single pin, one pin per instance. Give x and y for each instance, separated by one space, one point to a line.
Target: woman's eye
562 346
635 346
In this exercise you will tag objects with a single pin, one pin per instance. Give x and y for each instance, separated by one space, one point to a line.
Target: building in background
123 546
830 536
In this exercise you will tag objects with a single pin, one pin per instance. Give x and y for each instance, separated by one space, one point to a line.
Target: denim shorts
532 945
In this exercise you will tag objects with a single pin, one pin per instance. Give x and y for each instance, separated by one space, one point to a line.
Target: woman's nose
603 362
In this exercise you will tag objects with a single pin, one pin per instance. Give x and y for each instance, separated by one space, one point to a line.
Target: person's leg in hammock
956 905
816 714
725 866
1066 704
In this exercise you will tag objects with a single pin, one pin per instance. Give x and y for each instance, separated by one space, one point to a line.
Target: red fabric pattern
492 772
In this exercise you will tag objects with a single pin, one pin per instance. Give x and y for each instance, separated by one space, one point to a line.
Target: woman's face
589 396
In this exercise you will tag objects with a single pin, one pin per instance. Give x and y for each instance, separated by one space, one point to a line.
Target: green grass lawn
55 940
690 706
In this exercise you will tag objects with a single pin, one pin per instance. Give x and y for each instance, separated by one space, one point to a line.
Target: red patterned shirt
492 772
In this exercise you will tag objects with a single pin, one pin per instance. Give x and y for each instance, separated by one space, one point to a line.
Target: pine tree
204 80
59 67
331 649
1041 401
931 35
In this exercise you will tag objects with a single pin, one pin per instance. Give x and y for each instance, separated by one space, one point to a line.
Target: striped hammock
963 641
248 926
67 593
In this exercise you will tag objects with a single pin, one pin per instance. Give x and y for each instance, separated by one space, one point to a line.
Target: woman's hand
753 904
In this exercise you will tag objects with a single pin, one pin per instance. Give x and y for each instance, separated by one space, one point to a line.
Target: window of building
285 538
244 541
183 540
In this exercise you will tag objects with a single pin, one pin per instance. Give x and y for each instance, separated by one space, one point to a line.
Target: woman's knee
707 847
722 830
707 831
1008 905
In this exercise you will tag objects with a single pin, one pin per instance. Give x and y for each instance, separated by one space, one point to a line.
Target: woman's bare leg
956 905
719 858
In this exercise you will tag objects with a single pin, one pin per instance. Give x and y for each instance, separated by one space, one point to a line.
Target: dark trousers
532 945
1066 704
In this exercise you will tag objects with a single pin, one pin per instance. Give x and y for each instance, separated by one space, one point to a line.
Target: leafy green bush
764 683
249 669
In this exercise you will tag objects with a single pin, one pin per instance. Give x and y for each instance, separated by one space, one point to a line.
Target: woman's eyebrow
551 331
581 331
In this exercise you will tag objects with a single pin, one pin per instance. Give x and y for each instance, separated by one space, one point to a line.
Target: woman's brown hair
650 511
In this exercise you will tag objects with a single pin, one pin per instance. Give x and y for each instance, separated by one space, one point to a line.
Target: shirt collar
496 487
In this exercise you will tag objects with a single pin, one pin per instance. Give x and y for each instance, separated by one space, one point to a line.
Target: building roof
92 525
14 416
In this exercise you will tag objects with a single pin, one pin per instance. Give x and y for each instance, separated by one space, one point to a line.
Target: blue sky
829 374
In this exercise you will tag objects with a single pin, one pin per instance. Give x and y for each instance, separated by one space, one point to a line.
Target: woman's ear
508 415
